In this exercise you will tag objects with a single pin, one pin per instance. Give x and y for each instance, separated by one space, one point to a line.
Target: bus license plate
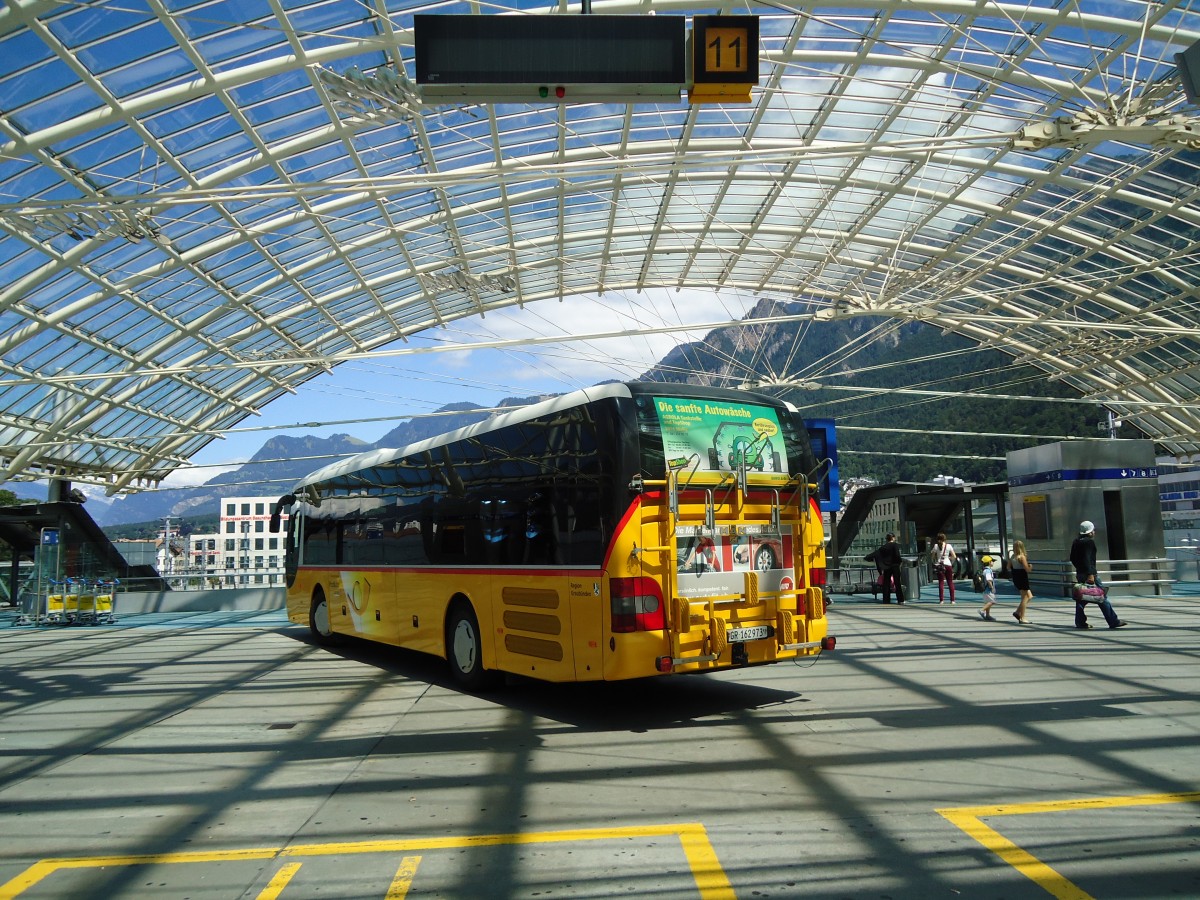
751 633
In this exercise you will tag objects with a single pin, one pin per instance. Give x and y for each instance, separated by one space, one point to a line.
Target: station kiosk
1111 483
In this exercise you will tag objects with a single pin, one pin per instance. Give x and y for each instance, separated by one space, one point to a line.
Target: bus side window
587 537
364 542
406 547
320 542
451 531
503 531
541 532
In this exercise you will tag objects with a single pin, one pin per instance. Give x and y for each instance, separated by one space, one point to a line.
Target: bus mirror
277 512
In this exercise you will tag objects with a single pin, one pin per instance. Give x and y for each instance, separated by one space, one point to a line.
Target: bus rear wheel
318 619
464 648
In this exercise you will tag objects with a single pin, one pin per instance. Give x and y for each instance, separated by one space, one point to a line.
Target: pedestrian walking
1083 558
1021 568
989 589
943 564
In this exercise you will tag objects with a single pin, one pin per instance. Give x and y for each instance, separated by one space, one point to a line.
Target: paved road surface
932 754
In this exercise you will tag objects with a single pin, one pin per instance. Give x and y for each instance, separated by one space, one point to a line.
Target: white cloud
586 362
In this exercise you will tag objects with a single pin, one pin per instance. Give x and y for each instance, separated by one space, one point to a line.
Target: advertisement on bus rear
722 436
711 561
712 436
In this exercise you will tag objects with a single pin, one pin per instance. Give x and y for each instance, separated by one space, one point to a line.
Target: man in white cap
1083 558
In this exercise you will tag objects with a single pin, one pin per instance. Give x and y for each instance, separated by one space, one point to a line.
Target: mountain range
886 432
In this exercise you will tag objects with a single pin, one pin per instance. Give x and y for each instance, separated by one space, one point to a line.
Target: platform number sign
725 50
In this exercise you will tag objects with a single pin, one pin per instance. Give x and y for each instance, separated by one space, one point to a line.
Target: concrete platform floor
222 755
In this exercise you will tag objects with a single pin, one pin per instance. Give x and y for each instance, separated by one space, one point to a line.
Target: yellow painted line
403 880
1042 806
702 858
969 819
26 879
706 868
1025 863
279 882
45 867
404 845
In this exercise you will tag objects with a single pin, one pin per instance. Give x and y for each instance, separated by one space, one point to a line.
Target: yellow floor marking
969 819
279 882
486 840
702 858
45 867
706 868
1025 863
403 880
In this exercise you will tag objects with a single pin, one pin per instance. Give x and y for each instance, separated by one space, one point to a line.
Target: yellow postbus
622 531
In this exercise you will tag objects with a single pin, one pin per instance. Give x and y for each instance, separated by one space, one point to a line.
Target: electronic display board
512 57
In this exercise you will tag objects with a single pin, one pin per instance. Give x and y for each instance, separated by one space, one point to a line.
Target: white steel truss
199 215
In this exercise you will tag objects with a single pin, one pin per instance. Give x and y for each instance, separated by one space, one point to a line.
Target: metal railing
1128 577
852 580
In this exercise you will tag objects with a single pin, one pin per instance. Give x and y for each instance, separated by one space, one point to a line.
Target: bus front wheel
464 648
318 619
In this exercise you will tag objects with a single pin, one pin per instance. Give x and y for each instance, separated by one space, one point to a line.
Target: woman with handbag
943 564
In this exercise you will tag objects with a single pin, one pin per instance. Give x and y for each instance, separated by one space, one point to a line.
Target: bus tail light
664 664
637 605
828 643
816 577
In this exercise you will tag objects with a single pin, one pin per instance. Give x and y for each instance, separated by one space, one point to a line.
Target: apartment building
243 552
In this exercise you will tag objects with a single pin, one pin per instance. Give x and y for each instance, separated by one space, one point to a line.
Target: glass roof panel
172 182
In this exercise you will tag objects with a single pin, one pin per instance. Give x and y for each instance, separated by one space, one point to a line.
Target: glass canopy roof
205 204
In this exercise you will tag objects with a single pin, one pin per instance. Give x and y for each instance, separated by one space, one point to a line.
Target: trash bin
912 579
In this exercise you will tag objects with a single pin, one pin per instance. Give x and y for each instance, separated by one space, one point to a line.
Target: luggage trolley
46 603
84 612
104 602
59 605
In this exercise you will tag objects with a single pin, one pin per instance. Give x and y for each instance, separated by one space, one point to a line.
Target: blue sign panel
1115 474
823 437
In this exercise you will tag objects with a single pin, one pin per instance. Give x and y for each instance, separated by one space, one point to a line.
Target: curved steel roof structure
205 204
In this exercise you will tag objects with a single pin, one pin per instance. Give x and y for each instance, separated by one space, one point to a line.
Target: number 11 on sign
725 50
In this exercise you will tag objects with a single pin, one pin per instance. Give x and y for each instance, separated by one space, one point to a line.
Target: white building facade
243 552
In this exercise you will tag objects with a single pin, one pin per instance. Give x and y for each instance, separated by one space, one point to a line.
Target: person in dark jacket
889 561
1083 558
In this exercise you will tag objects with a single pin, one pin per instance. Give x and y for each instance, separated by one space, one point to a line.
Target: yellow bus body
554 624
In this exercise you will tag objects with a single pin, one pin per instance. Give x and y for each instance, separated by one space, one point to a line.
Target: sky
367 399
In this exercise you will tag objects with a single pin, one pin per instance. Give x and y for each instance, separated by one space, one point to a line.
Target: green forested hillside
847 354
